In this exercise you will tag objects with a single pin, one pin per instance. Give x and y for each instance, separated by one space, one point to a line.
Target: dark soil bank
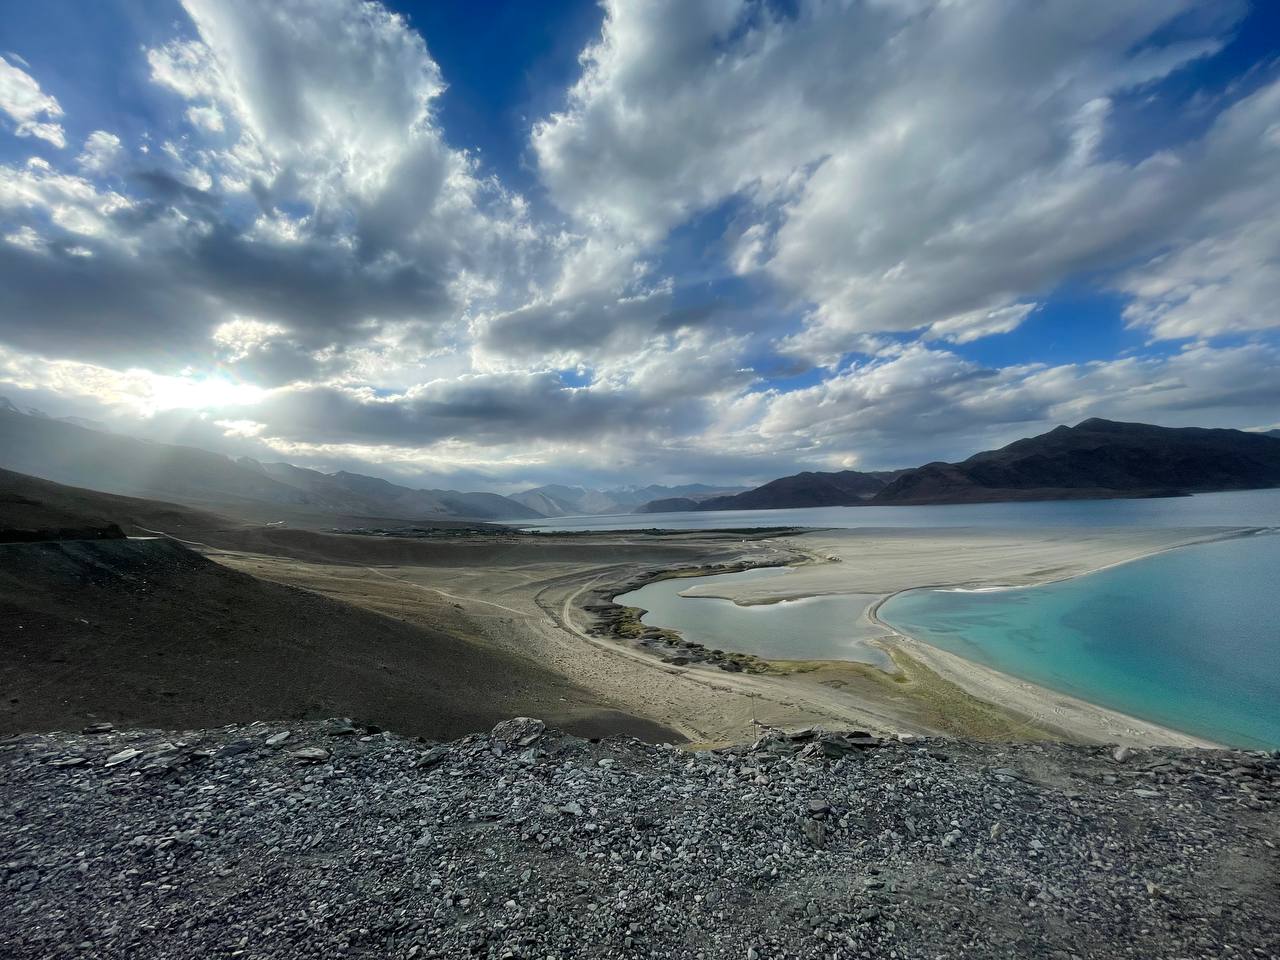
310 840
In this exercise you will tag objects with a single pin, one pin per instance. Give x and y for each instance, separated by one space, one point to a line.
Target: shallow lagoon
812 628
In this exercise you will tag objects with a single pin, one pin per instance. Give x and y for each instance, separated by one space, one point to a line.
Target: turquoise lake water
1189 639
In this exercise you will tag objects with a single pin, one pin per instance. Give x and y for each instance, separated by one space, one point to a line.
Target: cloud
102 151
294 261
1220 274
33 111
905 166
924 403
323 201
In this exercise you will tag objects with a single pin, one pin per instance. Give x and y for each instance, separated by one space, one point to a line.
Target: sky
497 245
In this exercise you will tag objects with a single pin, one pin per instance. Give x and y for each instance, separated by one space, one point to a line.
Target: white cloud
25 237
101 152
207 118
240 428
924 403
976 324
73 203
907 164
33 111
243 336
1220 274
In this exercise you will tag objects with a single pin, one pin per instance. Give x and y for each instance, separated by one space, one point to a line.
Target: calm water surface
1189 639
1244 508
812 628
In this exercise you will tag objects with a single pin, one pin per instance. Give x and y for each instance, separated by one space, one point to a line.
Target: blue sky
501 244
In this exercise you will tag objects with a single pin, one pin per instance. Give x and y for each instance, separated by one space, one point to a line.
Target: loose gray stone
519 731
310 754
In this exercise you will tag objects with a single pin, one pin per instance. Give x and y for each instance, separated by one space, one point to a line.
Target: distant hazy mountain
1098 459
557 500
65 452
8 406
839 489
670 505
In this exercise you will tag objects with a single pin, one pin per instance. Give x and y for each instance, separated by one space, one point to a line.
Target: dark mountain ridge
809 489
1096 459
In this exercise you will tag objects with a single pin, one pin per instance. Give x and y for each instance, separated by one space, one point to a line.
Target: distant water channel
812 628
1189 639
1244 508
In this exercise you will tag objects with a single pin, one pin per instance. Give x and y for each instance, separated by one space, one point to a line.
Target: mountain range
556 500
66 452
1092 460
1096 459
84 453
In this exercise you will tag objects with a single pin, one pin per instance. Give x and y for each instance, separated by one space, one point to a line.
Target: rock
1121 754
815 832
518 731
277 738
475 849
340 727
432 757
98 728
71 761
1148 794
123 756
310 754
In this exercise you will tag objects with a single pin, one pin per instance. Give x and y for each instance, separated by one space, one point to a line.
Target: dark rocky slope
1098 459
149 632
842 489
302 840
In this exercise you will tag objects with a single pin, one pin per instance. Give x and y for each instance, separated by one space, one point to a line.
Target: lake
1189 638
1240 508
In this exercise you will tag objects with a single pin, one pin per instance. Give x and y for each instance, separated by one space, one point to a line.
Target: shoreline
1073 716
1009 691
541 598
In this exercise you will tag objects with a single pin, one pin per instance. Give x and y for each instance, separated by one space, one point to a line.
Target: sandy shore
885 562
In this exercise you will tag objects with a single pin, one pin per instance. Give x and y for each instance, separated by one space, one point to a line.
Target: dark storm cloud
479 409
170 267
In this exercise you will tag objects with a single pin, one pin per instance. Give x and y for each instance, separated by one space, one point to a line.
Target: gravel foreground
324 840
